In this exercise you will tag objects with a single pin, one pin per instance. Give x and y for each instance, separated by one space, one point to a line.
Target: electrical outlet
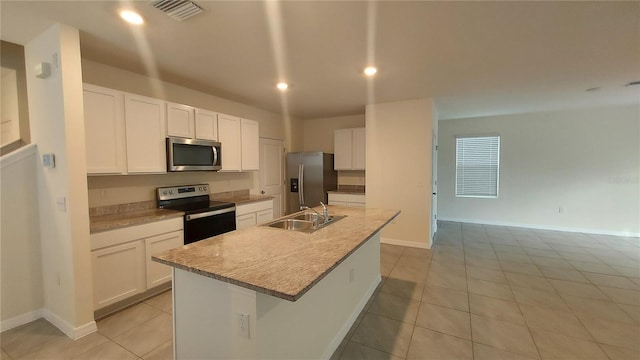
561 210
244 325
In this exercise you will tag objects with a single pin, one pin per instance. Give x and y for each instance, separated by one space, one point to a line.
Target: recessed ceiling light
370 71
131 17
282 86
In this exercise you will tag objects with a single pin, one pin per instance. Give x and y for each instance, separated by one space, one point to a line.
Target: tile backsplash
351 177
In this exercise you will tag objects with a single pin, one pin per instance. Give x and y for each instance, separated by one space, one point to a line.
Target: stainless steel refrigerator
310 175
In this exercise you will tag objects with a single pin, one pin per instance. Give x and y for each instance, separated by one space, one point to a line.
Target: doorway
272 172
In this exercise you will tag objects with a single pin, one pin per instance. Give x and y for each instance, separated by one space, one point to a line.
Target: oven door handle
208 213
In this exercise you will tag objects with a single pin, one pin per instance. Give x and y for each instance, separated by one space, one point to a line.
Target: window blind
477 166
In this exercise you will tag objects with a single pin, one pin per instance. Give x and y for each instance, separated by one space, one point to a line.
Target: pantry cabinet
350 149
104 130
145 126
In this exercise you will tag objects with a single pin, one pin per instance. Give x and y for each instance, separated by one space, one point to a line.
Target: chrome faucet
325 212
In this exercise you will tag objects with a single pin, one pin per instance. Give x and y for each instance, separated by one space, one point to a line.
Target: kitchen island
265 293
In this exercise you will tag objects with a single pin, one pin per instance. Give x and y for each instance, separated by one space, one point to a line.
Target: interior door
434 183
272 172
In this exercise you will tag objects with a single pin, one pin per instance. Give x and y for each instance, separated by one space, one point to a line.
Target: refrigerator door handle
301 184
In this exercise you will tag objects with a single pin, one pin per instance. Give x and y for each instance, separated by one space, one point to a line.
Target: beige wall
109 190
586 162
399 136
318 136
57 126
20 262
318 133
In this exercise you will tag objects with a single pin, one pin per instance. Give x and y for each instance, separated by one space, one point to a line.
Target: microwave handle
215 155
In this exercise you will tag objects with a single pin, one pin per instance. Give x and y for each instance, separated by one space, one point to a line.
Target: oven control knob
164 192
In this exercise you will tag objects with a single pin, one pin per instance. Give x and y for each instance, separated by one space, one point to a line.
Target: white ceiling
474 58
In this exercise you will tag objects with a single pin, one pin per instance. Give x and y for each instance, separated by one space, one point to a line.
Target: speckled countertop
277 262
243 199
100 223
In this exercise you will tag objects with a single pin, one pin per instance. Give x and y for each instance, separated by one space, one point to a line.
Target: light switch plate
61 203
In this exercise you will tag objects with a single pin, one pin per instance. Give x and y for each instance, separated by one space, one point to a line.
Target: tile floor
482 292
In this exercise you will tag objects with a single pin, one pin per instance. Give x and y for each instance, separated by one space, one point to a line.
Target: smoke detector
178 9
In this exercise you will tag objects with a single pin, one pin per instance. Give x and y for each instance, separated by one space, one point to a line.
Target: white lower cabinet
118 273
157 273
121 259
349 200
255 213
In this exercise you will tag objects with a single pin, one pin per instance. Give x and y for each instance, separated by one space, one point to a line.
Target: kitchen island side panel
206 313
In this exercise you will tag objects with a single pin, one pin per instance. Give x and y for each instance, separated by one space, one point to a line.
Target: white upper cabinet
250 142
349 149
229 135
145 120
359 149
180 120
104 130
206 125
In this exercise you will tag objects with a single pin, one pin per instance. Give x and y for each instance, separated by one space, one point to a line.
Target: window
477 166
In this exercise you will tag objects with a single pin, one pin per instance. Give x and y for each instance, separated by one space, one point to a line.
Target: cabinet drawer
130 233
254 207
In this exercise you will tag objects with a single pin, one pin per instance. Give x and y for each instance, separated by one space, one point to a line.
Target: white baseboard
414 244
21 319
69 330
543 227
351 320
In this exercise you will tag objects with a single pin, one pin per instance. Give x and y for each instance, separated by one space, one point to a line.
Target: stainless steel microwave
193 155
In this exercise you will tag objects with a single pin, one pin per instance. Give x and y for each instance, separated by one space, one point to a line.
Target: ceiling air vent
178 9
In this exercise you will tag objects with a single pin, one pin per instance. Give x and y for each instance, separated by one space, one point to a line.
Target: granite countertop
276 262
100 223
243 199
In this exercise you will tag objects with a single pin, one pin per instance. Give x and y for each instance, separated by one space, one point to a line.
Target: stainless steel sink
293 224
304 222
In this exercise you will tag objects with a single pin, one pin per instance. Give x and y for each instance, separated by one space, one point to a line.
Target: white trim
21 319
415 244
73 333
333 346
15 156
544 227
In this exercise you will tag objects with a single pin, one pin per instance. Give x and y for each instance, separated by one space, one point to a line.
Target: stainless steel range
203 218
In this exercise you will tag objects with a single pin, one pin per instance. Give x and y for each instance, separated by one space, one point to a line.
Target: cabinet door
157 273
245 221
180 119
250 142
358 149
342 149
264 216
206 125
118 273
145 120
229 136
104 130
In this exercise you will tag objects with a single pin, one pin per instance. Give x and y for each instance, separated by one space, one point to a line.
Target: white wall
21 294
57 126
110 190
585 161
399 136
